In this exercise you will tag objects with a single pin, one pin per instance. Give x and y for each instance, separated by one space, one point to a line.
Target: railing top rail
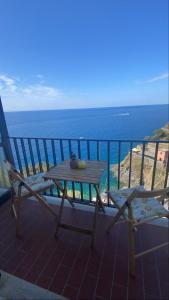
91 140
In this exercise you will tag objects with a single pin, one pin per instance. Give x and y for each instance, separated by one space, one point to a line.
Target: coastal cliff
149 154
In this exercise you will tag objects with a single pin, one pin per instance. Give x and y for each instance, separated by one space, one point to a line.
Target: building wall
162 155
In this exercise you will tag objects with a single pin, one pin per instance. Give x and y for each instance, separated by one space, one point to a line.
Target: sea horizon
87 108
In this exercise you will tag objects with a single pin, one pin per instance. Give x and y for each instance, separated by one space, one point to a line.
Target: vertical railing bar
88 157
79 149
79 155
53 152
98 150
166 174
108 171
154 167
119 156
142 165
88 149
61 149
31 155
38 153
130 164
11 141
46 154
70 151
47 162
18 155
25 157
55 163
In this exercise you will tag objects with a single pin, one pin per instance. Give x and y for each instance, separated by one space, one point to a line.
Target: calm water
104 123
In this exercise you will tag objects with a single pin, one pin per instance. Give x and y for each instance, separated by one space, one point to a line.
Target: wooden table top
91 174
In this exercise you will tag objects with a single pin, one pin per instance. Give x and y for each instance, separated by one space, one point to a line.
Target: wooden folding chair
23 188
137 207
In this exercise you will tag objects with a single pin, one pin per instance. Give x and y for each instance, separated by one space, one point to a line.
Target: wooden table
91 175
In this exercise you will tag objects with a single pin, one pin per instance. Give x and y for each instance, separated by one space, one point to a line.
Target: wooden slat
75 228
92 173
152 249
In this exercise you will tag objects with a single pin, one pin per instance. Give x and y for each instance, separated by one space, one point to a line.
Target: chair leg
18 216
132 259
61 209
115 219
12 204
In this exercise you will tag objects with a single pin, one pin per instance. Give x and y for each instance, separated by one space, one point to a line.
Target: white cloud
30 97
157 78
7 82
39 91
153 79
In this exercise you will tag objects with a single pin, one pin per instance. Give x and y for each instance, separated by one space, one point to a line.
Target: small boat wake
122 114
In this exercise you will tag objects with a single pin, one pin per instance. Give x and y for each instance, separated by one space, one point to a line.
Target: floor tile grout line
69 276
47 262
52 279
142 271
13 242
34 261
84 274
128 281
98 276
137 237
115 262
158 276
15 255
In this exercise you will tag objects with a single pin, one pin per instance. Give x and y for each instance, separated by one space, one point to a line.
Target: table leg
61 208
99 198
62 190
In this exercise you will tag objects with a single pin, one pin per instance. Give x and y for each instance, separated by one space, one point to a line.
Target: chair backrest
155 193
15 176
161 193
12 172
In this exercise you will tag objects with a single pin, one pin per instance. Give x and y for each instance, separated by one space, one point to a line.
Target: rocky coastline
148 166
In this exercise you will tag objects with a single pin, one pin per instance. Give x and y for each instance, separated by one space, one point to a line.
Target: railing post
5 136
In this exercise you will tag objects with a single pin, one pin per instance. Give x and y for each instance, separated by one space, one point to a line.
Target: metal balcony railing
33 155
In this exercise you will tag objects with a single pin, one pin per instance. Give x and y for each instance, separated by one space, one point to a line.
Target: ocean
100 123
114 123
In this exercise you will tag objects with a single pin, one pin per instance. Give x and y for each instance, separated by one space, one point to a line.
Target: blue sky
83 53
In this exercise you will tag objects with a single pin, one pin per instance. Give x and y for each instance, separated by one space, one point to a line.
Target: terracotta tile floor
69 267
